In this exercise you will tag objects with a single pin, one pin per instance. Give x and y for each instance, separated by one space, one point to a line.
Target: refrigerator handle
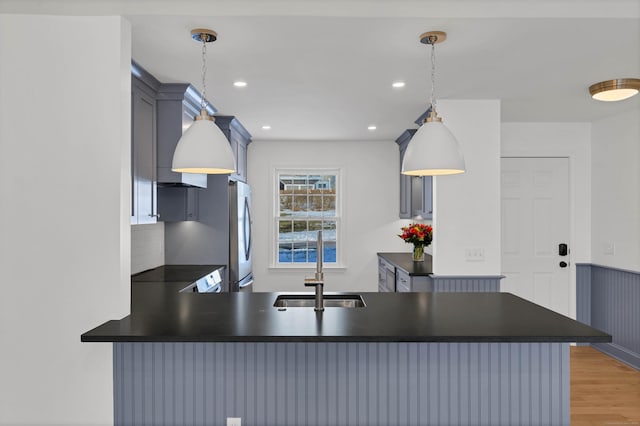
247 226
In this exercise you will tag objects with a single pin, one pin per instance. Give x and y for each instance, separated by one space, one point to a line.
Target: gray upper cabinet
160 113
178 104
416 193
239 138
143 151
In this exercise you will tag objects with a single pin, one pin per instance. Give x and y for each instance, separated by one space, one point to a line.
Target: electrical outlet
234 421
474 255
609 248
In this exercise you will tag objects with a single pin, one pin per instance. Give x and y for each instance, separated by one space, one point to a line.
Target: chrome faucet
318 280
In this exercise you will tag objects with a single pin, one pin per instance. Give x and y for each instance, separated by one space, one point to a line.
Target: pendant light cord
433 77
203 100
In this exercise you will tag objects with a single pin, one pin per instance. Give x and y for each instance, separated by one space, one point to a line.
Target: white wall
615 201
370 208
147 246
64 220
467 206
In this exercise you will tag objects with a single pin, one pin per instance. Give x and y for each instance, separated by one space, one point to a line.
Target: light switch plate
234 421
474 255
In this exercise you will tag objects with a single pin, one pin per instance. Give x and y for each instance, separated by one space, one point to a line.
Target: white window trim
273 243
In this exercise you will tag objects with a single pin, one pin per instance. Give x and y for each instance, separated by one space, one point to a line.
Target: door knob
563 264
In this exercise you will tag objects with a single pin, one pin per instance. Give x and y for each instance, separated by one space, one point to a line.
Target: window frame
275 199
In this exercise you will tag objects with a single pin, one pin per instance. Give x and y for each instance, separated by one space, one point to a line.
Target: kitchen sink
330 301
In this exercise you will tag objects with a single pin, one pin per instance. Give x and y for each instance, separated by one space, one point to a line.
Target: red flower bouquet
418 234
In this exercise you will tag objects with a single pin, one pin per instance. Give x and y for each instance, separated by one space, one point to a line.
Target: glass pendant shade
203 148
433 151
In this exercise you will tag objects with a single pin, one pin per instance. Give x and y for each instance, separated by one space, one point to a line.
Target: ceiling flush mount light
203 148
266 127
371 128
240 83
615 90
397 84
433 150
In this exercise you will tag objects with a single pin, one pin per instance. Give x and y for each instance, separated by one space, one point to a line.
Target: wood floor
604 392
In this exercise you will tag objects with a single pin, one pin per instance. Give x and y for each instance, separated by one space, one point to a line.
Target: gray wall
608 299
341 383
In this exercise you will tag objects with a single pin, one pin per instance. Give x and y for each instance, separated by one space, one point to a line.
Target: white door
535 222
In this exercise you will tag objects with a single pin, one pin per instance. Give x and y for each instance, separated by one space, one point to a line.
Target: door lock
563 264
562 249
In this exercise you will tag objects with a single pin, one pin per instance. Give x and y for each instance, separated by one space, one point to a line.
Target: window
307 202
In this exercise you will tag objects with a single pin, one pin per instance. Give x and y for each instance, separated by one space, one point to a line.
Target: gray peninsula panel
327 384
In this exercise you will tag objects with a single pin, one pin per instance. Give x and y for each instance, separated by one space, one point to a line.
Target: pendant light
615 90
433 150
203 148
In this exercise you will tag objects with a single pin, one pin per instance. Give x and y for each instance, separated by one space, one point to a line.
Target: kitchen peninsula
404 358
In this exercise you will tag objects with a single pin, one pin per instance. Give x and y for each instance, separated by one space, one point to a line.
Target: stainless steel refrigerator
240 243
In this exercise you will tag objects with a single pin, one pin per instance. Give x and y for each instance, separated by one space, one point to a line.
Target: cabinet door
422 196
382 276
427 197
416 193
405 191
143 140
242 161
382 282
239 147
403 281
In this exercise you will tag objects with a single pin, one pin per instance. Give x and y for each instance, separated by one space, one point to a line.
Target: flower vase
418 253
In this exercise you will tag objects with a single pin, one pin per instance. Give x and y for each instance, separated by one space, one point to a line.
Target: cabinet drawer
403 281
382 264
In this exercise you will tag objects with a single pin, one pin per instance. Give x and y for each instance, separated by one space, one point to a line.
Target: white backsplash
147 246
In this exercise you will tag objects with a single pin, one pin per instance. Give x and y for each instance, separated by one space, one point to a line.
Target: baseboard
632 359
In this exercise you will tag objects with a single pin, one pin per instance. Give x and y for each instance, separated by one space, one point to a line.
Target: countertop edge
342 339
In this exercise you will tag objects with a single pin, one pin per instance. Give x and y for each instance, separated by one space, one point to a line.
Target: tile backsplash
147 246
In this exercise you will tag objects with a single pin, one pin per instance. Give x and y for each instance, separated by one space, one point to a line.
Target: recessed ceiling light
397 84
266 127
615 90
240 83
371 128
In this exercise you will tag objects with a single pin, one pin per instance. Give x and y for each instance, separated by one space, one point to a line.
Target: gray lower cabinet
394 279
410 283
397 273
386 276
416 193
143 153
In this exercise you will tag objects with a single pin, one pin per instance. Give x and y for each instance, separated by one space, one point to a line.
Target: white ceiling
323 70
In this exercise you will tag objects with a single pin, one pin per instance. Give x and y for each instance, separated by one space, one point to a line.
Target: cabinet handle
157 216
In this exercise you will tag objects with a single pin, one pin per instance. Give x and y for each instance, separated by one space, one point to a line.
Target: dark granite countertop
388 317
405 262
168 273
156 289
